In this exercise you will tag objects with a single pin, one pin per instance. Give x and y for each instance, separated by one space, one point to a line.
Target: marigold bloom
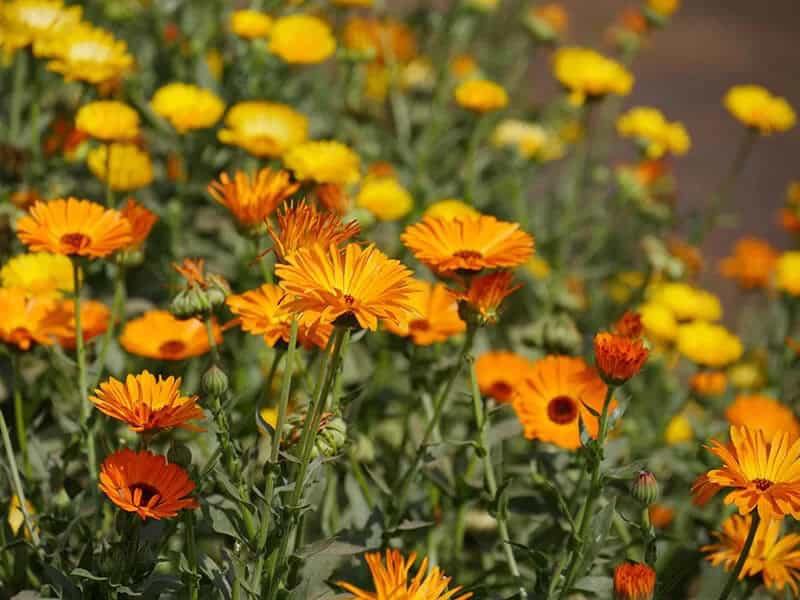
187 106
250 24
301 39
435 318
618 357
679 430
764 413
323 162
531 140
629 325
38 274
89 54
708 344
751 263
145 484
130 166
659 321
157 334
74 227
386 40
60 321
108 120
263 128
764 474
253 198
709 383
450 208
486 293
634 581
334 286
261 313
302 225
23 319
665 8
141 220
385 198
146 403
547 21
500 374
587 73
650 127
481 95
35 22
468 244
756 107
787 273
552 397
660 515
686 302
391 580
333 197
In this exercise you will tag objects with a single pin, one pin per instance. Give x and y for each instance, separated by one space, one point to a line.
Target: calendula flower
37 22
253 198
500 374
141 220
146 403
708 344
530 140
435 318
38 274
751 263
659 321
468 244
303 225
145 484
547 22
450 208
187 106
629 325
261 313
660 515
651 129
664 8
775 557
618 357
264 128
787 273
486 293
108 120
634 581
391 580
764 413
16 518
481 95
346 286
157 334
679 430
709 383
89 54
301 39
24 319
588 74
333 197
250 24
756 107
687 303
74 227
130 166
383 41
552 397
60 321
323 162
385 198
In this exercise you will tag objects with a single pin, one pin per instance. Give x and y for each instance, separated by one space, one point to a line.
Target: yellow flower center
562 410
90 51
38 17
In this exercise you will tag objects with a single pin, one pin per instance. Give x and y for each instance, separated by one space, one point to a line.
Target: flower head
36 22
60 321
89 54
650 127
756 107
108 120
751 263
145 484
301 39
787 273
157 334
130 166
481 95
253 198
629 325
38 274
24 319
634 581
380 40
333 197
486 293
250 24
618 357
709 383
500 374
435 318
323 162
708 344
302 225
141 220
187 106
450 208
687 302
385 198
764 413
531 140
263 128
587 73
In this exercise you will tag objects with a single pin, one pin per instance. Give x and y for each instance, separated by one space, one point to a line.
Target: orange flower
552 396
74 227
141 220
346 286
157 334
660 515
709 383
436 318
146 403
629 325
634 581
302 225
618 358
468 244
23 319
260 313
751 263
60 321
333 197
500 374
252 199
145 484
487 292
764 413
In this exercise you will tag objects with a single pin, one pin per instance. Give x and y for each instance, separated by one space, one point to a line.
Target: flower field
318 299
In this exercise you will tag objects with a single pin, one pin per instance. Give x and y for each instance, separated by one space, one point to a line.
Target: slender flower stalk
471 162
733 578
82 385
117 310
19 415
17 482
20 69
191 554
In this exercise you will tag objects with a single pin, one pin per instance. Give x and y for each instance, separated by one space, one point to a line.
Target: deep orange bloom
751 263
146 403
143 483
342 286
487 292
618 358
660 515
436 315
333 197
302 225
141 220
500 374
709 383
764 413
629 325
467 243
252 199
74 227
260 312
24 320
60 321
157 334
634 581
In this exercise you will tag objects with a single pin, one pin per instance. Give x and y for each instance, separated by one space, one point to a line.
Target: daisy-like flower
108 120
89 54
157 334
187 106
379 39
146 403
764 413
500 374
756 107
787 273
530 140
481 95
263 128
130 166
686 302
38 274
751 263
141 220
24 319
708 344
261 313
74 227
36 22
250 24
145 484
618 357
709 383
333 197
301 39
60 321
552 397
467 244
634 581
629 325
323 162
435 317
391 580
764 475
588 74
351 286
252 199
385 198
302 225
652 130
486 293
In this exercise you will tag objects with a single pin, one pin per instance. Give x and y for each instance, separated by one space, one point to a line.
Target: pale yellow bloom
38 273
531 140
187 106
250 24
264 128
89 54
650 128
323 162
678 430
37 22
538 267
659 321
687 302
385 198
665 8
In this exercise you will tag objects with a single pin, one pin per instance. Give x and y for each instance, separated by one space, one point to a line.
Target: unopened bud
215 381
180 455
645 488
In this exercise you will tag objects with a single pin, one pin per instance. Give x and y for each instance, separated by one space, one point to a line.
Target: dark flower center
419 325
76 241
349 300
468 254
147 490
501 390
172 348
562 410
762 484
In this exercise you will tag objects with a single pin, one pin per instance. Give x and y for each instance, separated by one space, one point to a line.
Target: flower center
146 490
75 241
349 300
762 484
468 254
501 390
89 51
39 17
419 325
172 348
562 410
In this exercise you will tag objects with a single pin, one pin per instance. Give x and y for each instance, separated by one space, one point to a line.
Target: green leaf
84 574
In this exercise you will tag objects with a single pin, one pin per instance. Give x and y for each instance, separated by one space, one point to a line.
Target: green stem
358 474
117 306
20 68
19 415
82 385
191 554
17 482
471 161
109 191
748 543
212 341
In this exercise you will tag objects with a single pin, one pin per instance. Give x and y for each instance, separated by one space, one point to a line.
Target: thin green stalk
109 191
471 161
117 306
212 341
15 118
19 416
82 384
733 578
17 482
191 554
361 480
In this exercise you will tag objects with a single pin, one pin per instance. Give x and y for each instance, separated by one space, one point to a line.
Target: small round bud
331 437
215 381
180 455
645 488
181 305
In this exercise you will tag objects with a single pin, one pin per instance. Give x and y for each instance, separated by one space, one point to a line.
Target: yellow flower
352 2
301 39
787 272
678 430
708 344
269 414
108 120
131 168
16 518
756 107
214 63
532 141
653 131
746 375
450 208
659 321
38 273
481 95
250 24
187 106
587 73
664 8
624 284
264 128
323 162
538 267
484 5
385 198
23 22
687 302
90 54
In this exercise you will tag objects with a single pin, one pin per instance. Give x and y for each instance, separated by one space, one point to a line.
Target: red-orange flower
436 315
500 374
333 197
709 383
751 263
303 225
487 292
252 199
60 321
141 220
634 581
617 357
157 334
629 325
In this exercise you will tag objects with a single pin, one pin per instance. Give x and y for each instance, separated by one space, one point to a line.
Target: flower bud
215 381
331 436
634 581
180 455
645 488
180 305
